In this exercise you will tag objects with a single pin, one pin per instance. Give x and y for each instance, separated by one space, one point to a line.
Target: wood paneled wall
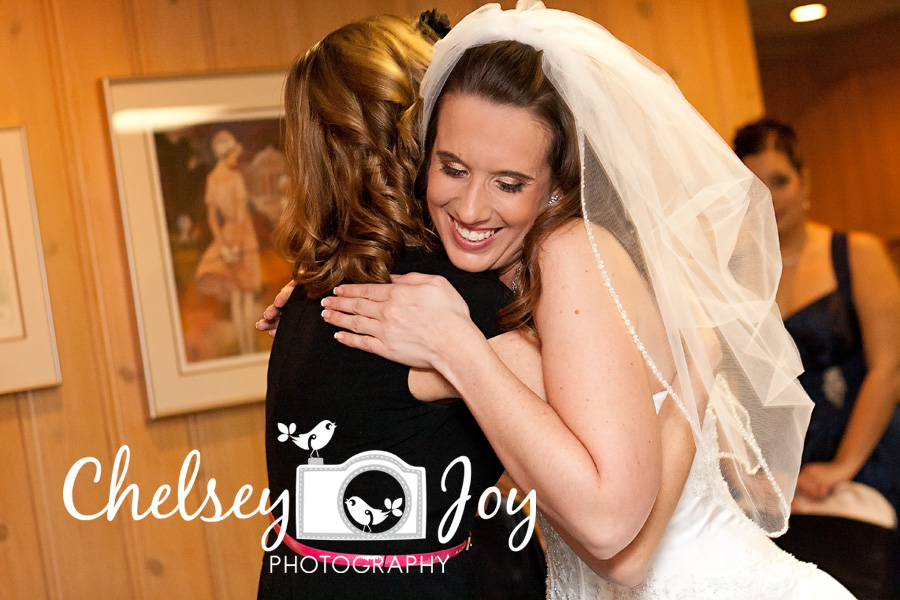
842 95
53 55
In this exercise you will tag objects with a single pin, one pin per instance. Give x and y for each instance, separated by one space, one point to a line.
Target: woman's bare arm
519 353
630 566
593 455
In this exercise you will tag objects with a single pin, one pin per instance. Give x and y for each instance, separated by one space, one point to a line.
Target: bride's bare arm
518 352
593 455
630 566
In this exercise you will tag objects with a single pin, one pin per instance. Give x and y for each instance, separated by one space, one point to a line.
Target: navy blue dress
862 556
827 334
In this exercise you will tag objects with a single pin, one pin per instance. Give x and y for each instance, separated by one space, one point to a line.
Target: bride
644 257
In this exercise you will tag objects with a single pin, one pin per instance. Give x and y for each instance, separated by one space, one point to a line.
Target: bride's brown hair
350 119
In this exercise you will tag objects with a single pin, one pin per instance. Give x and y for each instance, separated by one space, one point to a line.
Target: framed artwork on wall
202 181
28 356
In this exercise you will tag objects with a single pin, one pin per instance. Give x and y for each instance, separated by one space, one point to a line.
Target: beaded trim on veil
692 221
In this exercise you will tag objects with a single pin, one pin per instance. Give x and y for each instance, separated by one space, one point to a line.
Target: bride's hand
406 321
272 314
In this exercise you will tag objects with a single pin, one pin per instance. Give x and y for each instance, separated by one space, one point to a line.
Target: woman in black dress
361 453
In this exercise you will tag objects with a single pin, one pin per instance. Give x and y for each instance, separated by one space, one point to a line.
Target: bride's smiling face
487 181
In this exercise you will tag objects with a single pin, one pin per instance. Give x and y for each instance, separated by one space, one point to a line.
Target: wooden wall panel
68 421
53 57
24 569
18 518
882 86
244 34
689 58
164 556
734 54
635 22
171 37
849 133
233 452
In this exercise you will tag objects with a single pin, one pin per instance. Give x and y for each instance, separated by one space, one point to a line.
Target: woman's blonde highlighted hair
351 117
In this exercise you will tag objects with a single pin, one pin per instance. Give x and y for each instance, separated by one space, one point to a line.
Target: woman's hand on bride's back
406 321
272 314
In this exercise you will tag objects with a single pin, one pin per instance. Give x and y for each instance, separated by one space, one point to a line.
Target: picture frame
28 354
202 179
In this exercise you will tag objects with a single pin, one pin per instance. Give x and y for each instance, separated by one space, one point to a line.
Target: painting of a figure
223 185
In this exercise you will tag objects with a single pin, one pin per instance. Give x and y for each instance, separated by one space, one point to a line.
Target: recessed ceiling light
808 12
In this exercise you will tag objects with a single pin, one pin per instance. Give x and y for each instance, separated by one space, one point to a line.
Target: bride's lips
462 235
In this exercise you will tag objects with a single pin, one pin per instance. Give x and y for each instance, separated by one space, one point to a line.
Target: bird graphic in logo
314 440
366 516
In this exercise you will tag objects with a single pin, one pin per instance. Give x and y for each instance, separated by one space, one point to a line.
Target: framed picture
28 357
202 179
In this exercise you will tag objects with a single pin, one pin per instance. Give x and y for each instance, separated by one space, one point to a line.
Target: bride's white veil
695 225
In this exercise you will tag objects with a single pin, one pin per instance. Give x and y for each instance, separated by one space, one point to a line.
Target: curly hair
511 73
350 120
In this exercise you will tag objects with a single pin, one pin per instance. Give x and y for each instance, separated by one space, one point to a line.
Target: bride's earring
554 199
515 281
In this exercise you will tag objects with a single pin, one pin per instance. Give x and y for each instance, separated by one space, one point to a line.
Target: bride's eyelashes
511 187
453 172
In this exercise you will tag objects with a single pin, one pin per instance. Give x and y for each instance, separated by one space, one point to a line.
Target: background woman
840 298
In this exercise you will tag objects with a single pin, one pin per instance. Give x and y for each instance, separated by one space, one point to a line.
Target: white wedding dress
709 551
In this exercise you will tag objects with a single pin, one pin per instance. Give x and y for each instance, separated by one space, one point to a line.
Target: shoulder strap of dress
841 263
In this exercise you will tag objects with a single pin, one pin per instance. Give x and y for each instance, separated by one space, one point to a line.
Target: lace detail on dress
759 576
700 480
756 575
565 571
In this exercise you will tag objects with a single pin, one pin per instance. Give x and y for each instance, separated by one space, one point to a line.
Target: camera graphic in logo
372 496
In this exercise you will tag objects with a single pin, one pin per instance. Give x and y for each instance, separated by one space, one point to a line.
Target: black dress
313 379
